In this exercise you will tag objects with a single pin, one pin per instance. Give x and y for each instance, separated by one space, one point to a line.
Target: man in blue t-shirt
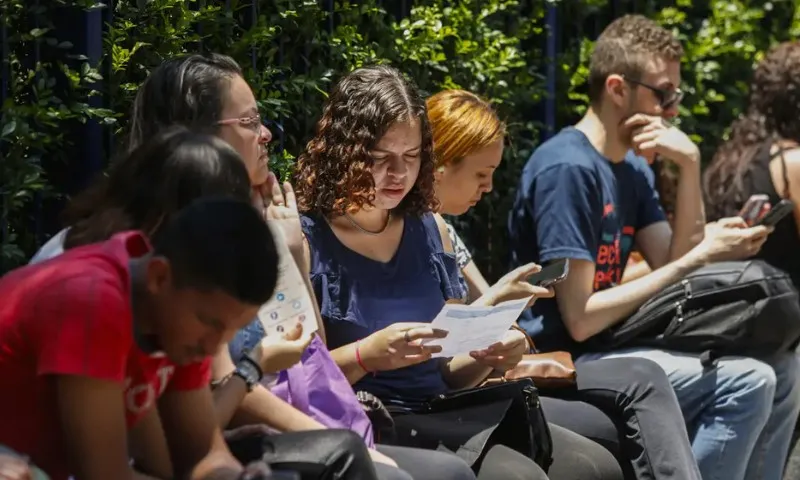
588 195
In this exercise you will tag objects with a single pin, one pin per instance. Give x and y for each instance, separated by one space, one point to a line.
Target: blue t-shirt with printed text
572 202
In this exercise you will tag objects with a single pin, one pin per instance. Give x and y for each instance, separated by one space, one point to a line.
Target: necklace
364 230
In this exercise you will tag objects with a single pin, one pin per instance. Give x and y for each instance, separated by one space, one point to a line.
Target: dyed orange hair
462 124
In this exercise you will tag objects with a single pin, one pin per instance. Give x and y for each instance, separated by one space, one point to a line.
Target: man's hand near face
652 135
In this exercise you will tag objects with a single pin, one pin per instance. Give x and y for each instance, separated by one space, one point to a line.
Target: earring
440 169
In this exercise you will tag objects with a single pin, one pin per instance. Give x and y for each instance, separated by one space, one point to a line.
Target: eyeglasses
667 98
254 123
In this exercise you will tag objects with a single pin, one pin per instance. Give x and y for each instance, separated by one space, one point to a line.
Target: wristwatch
249 371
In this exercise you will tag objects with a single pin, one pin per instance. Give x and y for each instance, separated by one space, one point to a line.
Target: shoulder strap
786 192
784 172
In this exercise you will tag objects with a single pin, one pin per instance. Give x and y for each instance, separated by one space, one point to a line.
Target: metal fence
91 142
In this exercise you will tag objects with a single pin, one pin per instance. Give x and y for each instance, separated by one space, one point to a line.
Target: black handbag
469 422
330 454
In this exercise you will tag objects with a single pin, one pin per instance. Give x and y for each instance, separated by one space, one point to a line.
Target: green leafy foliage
42 98
292 50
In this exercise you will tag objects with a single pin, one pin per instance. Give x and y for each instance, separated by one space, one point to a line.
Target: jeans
740 414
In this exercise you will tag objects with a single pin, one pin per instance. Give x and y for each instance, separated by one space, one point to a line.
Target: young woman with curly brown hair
762 156
380 257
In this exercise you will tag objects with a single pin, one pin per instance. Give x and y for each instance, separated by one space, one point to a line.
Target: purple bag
317 387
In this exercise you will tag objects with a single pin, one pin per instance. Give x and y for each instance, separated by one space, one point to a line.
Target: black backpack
747 308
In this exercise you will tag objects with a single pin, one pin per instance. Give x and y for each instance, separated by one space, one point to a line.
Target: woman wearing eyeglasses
209 93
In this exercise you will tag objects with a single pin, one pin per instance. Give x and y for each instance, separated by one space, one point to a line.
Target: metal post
108 22
5 85
551 51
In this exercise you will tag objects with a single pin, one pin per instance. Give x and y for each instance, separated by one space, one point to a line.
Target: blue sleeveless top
359 296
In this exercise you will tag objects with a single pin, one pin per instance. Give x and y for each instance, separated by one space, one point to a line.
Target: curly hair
625 47
773 112
462 123
333 175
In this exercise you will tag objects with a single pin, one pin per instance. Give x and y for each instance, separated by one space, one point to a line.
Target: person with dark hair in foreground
208 93
95 339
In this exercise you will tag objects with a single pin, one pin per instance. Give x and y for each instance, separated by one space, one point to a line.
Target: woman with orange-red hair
468 142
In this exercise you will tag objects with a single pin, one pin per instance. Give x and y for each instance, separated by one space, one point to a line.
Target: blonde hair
462 123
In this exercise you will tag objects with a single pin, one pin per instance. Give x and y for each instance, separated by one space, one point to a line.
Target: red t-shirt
72 316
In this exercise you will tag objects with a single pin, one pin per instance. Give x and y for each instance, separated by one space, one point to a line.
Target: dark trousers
500 463
628 406
574 458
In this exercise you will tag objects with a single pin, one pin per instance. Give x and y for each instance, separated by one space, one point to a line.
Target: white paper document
291 302
474 327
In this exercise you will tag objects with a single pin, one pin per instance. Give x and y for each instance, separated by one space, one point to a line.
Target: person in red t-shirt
96 338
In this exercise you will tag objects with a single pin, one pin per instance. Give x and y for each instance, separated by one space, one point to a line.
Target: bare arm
263 406
197 449
103 431
636 271
585 313
690 216
345 358
148 446
792 161
229 394
658 242
235 406
476 282
463 371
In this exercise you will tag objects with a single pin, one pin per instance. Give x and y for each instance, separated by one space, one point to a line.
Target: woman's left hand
514 285
503 355
279 207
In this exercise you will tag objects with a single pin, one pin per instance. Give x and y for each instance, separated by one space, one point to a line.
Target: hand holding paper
291 303
273 356
474 328
506 354
399 345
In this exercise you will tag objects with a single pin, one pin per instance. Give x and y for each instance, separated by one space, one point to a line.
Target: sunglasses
667 98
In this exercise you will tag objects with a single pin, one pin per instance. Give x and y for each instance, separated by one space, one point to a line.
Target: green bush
292 50
42 98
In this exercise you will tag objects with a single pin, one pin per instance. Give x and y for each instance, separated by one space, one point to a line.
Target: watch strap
249 371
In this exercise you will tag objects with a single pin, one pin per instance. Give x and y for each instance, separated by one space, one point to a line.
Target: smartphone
551 274
753 208
776 213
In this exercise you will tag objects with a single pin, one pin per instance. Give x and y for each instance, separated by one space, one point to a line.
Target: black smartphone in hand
551 274
776 213
753 208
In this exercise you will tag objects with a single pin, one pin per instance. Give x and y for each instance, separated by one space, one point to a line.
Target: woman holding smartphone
381 259
468 140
